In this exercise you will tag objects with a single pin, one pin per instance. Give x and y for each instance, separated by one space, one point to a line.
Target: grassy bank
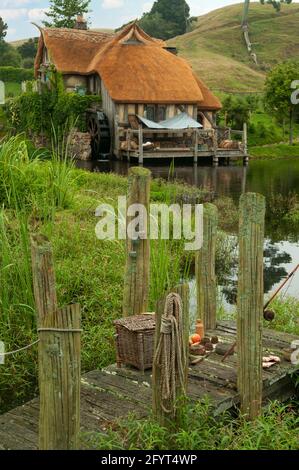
274 151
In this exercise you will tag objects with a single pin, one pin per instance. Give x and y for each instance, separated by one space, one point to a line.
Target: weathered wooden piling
137 271
245 144
250 303
205 269
171 413
58 356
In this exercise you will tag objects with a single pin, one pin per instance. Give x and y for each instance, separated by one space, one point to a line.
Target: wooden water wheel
99 129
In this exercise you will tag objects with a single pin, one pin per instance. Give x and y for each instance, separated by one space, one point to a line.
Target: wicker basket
135 341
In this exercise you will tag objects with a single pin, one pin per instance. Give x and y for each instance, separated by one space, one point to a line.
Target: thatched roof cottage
136 75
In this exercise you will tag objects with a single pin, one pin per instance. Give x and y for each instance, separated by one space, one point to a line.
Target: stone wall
80 145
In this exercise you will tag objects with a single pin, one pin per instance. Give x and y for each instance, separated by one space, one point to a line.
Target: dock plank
111 394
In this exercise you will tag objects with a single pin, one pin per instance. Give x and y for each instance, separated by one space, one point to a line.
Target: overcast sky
104 13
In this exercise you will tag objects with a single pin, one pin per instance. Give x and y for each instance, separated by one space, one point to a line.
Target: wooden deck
195 151
187 153
114 393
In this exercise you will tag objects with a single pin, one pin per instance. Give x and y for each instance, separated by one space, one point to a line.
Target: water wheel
99 129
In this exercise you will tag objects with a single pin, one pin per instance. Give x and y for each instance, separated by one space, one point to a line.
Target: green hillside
217 50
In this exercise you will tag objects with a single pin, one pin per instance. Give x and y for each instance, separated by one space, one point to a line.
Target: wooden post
245 144
129 144
205 269
58 356
162 416
140 139
117 140
196 146
250 303
137 272
215 148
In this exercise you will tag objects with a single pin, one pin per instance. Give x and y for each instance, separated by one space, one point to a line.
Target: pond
278 180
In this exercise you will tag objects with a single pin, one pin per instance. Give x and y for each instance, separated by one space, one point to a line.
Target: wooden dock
113 393
195 150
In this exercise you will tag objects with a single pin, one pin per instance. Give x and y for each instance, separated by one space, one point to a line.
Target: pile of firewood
230 145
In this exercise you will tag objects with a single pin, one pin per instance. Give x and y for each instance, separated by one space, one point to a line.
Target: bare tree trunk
245 29
245 13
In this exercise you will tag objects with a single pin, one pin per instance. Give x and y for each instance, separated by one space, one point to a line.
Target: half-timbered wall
124 110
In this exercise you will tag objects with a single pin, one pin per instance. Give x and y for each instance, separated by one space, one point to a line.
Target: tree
155 25
278 92
3 29
235 111
245 26
167 18
29 48
9 56
173 11
63 13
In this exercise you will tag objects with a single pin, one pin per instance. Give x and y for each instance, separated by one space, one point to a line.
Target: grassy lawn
12 89
274 151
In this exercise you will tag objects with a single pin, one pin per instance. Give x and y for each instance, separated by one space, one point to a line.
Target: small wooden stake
137 272
164 418
205 269
250 303
59 356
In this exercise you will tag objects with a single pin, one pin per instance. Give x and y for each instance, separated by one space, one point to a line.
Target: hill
19 42
217 50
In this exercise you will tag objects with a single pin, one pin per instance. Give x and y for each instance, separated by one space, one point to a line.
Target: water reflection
276 179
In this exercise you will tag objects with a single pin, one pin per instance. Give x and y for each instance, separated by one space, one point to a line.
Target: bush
9 56
28 63
15 74
39 112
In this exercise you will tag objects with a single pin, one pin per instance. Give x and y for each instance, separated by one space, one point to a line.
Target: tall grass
170 265
32 190
276 429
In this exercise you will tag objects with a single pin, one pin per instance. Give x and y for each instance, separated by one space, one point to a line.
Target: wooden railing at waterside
212 138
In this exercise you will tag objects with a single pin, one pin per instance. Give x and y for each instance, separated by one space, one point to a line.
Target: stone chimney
81 23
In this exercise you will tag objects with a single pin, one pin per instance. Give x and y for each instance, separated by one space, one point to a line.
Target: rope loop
170 356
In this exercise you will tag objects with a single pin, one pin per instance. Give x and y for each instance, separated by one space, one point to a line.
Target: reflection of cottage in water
154 103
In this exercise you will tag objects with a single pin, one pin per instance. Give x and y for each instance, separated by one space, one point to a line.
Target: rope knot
166 325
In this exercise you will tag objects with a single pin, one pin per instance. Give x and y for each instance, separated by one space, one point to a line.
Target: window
161 113
150 112
155 113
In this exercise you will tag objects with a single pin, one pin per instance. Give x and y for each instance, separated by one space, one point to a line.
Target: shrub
52 108
15 74
28 63
38 112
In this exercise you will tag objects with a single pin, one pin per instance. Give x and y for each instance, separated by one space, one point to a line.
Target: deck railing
212 135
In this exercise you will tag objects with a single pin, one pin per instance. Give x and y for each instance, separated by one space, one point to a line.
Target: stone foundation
80 145
41 141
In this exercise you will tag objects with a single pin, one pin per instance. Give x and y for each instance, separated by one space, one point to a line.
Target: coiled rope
170 355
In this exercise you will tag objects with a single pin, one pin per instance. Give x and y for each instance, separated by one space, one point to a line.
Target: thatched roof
134 67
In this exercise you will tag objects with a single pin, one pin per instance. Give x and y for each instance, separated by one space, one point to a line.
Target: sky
19 14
